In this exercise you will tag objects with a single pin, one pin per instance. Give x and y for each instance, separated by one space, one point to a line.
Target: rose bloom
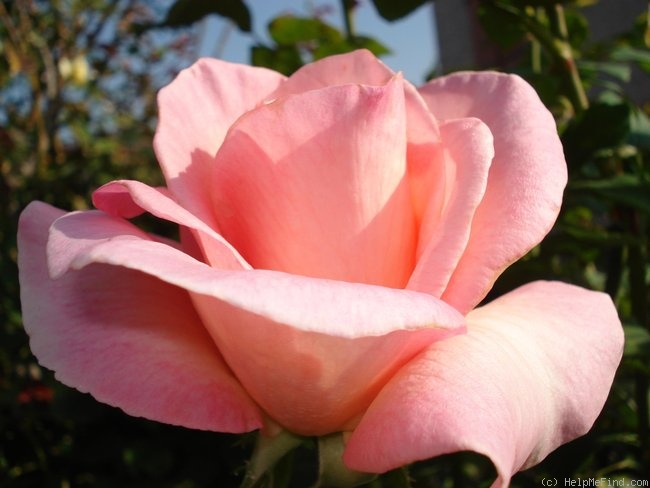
337 230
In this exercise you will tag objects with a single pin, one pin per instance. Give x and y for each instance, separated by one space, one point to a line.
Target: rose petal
130 340
468 150
427 167
526 179
67 241
358 67
115 199
423 138
195 112
79 239
281 332
129 198
313 383
314 184
533 372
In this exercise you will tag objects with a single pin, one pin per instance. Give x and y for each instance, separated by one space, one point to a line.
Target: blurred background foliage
78 80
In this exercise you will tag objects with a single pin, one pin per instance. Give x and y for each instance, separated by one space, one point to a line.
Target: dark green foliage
285 59
186 12
288 30
601 126
300 40
500 24
625 189
391 10
601 239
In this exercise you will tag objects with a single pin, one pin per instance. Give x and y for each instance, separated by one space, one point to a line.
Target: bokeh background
78 81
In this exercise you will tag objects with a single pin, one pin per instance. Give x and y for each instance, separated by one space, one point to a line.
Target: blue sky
412 40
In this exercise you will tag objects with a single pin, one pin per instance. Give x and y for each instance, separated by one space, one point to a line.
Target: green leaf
501 24
637 341
294 34
619 71
372 45
625 189
639 129
577 26
598 237
284 59
186 12
348 45
392 10
629 54
288 30
602 125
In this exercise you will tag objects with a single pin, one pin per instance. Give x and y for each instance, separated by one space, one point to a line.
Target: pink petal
362 67
358 67
312 352
130 340
526 179
129 198
309 382
314 184
445 229
115 199
68 239
532 373
80 239
427 165
195 112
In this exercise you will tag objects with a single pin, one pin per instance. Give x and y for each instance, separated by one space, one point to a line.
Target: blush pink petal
195 112
129 198
312 352
315 184
67 240
532 372
359 67
130 340
84 238
526 179
427 167
445 229
423 137
309 382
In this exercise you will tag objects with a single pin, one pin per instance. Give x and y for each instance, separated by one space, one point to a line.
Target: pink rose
338 229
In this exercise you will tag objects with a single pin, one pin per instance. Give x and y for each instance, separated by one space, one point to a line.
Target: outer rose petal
526 179
195 111
312 352
129 198
130 340
314 184
533 372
